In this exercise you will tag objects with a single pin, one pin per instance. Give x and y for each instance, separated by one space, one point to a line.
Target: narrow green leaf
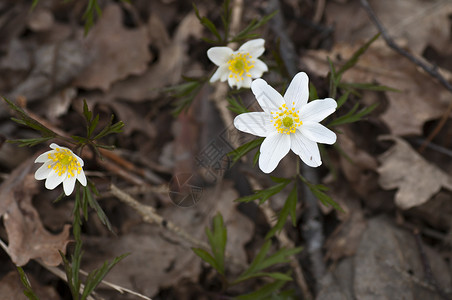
217 240
264 292
207 23
253 25
236 106
33 5
263 195
244 149
26 283
30 142
205 256
354 59
288 208
312 92
351 116
342 99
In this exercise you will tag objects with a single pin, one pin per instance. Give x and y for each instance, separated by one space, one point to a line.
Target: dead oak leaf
27 237
416 179
115 52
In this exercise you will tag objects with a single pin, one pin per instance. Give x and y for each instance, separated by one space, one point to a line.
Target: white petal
232 81
259 68
54 180
43 157
306 149
273 149
54 146
256 123
78 159
43 171
239 83
221 73
246 82
68 185
219 55
254 47
317 110
269 99
297 94
318 133
82 178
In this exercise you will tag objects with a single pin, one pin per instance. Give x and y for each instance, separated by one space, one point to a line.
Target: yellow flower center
286 120
240 64
64 161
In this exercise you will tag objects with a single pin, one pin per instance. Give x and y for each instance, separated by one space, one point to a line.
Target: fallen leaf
114 51
416 179
27 237
417 22
388 265
420 98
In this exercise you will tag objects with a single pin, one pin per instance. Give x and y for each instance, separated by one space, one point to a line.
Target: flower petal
44 171
239 83
82 178
318 133
43 157
317 110
68 185
232 81
297 94
78 159
273 149
246 82
269 99
221 73
254 47
219 55
54 146
259 68
256 123
53 180
306 149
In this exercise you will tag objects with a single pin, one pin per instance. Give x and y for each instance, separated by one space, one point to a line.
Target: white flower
288 122
240 66
61 165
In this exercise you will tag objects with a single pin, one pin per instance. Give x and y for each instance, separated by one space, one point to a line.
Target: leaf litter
121 66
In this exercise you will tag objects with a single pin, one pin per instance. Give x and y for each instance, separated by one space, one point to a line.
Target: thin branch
427 67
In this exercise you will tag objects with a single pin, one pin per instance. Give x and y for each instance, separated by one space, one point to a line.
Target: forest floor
390 172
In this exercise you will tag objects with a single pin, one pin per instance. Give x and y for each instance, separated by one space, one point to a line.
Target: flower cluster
61 165
238 67
288 123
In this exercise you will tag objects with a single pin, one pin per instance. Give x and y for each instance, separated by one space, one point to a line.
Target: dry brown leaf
388 265
416 179
27 238
418 22
169 66
420 99
115 52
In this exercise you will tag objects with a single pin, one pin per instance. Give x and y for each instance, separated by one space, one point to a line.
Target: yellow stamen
65 162
286 119
239 65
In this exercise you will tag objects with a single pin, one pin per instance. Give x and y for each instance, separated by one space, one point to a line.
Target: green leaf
33 5
312 92
28 292
26 120
262 262
263 195
244 149
253 25
264 292
368 87
207 257
351 116
288 208
236 106
95 277
109 129
30 142
217 241
88 193
208 24
91 11
354 59
342 99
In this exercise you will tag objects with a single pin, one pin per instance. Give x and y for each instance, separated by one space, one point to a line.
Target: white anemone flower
61 165
238 67
288 123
